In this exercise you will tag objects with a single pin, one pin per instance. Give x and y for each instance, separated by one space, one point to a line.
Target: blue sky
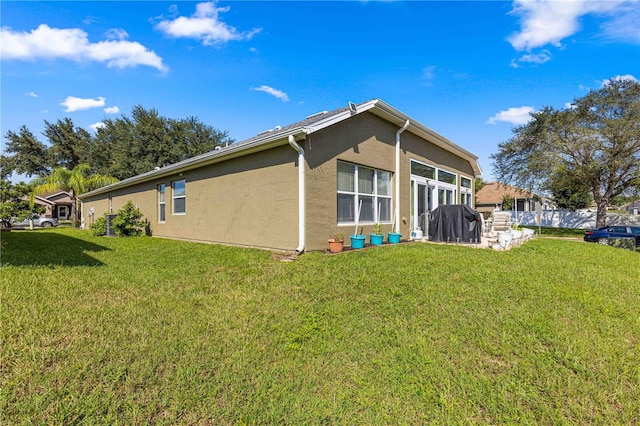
468 70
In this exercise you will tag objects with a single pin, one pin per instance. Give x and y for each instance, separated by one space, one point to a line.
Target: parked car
41 221
602 235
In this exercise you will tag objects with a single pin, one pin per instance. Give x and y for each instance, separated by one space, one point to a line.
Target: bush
126 223
99 227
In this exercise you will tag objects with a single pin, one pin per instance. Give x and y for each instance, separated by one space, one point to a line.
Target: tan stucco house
291 187
57 205
492 194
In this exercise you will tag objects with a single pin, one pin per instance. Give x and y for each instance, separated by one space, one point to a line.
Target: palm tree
76 181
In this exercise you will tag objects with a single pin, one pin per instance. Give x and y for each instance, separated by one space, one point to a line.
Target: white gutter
397 219
301 195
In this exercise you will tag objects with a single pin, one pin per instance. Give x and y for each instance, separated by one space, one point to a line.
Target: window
161 203
422 170
446 177
465 190
435 187
178 189
366 189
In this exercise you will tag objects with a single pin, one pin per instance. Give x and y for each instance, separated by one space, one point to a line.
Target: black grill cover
455 223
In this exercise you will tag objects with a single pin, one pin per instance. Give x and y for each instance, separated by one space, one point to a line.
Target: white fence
576 220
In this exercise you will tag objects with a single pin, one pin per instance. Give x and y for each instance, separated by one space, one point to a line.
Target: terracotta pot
336 246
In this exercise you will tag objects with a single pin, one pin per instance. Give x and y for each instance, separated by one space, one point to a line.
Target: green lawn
547 231
140 330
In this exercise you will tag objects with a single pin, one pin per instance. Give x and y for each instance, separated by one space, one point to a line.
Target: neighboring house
489 198
633 208
57 205
292 187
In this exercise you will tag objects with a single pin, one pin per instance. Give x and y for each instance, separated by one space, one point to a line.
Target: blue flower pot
376 240
357 241
394 237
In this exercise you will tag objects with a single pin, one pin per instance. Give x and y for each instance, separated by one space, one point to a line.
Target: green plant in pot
376 237
336 242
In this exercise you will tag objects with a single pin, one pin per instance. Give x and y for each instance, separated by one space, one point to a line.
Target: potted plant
336 242
393 237
357 240
376 236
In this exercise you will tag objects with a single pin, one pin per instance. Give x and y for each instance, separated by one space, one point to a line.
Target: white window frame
376 197
162 203
175 197
465 192
436 188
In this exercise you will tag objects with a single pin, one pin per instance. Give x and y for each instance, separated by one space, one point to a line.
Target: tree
147 140
69 145
26 154
76 182
508 202
14 202
567 192
122 147
596 141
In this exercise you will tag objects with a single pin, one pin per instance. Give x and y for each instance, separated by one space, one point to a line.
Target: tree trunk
601 214
74 209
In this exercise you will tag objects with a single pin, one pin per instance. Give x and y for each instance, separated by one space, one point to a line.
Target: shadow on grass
46 249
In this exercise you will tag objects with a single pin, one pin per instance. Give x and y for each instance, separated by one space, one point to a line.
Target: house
632 208
57 205
291 187
490 198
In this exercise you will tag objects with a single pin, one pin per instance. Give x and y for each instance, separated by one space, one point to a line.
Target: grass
548 231
150 331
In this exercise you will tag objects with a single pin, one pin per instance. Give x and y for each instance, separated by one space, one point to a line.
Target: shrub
128 221
99 227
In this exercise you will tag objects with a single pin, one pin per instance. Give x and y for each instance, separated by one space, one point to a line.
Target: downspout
397 219
301 195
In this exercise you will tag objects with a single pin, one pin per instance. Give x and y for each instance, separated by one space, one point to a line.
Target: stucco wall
366 140
249 201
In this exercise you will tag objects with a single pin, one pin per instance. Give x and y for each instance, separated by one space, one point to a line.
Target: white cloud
205 25
428 74
112 110
619 77
273 92
546 22
116 34
518 115
624 24
77 104
530 58
31 94
73 44
96 126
